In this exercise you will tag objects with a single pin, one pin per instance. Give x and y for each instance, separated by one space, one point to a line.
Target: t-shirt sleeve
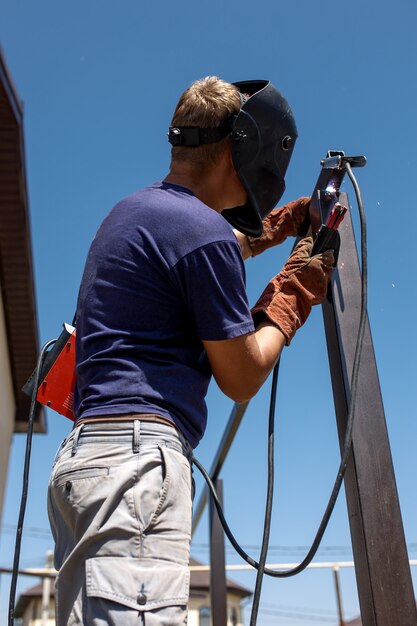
212 281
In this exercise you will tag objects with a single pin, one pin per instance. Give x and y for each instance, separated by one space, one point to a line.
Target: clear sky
99 81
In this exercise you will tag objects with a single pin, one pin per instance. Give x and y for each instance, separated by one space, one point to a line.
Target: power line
300 609
300 613
279 549
296 615
45 534
291 549
35 533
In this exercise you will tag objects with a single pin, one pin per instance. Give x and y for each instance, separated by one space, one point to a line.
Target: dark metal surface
230 431
218 587
381 562
338 596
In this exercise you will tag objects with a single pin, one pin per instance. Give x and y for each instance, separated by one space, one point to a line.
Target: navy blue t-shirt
164 272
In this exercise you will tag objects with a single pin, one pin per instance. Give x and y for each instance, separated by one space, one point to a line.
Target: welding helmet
263 135
263 138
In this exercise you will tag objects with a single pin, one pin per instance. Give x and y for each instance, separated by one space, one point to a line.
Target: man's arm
243 243
241 365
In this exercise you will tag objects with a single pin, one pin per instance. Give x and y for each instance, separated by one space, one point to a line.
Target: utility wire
45 534
290 549
35 533
300 609
298 616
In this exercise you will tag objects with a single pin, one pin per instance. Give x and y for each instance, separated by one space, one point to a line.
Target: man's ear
227 160
229 154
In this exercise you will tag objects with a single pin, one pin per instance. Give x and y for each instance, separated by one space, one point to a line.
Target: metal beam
229 433
218 588
383 576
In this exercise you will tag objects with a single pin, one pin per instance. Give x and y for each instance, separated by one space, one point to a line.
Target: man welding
162 306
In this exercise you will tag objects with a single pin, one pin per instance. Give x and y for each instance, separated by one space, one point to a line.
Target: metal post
46 590
218 587
232 426
383 576
338 594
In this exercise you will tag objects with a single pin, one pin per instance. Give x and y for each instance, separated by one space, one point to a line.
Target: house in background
29 604
199 611
18 318
28 610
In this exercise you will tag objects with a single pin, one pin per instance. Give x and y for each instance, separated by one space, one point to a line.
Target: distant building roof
28 595
201 581
16 266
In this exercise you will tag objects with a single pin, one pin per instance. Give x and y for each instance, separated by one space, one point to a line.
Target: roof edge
9 85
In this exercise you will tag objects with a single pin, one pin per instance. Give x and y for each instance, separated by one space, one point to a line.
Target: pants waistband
142 417
134 425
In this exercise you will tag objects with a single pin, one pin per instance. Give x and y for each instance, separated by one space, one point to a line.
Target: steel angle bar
229 433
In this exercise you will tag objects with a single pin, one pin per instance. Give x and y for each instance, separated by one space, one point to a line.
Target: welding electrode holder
328 204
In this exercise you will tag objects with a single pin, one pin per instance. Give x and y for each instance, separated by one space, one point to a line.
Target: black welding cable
269 499
347 444
19 529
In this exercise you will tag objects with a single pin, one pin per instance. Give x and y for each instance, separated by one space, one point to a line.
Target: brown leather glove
281 223
288 298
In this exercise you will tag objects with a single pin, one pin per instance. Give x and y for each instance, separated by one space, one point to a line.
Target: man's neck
218 185
203 183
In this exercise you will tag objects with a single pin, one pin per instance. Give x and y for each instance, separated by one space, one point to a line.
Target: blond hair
207 103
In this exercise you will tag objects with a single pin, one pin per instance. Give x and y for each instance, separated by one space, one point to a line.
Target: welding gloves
281 223
288 298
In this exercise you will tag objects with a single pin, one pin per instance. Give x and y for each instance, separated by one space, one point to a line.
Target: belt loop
136 435
75 440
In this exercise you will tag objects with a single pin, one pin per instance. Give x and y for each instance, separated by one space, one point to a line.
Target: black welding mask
263 137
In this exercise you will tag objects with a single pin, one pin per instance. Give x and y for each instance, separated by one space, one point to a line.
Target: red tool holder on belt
57 379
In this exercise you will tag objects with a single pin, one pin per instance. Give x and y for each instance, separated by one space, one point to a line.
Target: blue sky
99 81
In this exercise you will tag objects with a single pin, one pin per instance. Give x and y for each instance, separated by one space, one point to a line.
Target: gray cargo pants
119 504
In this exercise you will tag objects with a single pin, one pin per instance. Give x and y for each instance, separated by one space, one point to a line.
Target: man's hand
302 283
281 223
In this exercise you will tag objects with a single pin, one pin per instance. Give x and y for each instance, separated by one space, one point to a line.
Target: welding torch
328 204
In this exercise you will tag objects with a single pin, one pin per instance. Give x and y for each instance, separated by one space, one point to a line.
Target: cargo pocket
132 586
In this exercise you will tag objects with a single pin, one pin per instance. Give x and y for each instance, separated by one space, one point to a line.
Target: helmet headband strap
193 136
